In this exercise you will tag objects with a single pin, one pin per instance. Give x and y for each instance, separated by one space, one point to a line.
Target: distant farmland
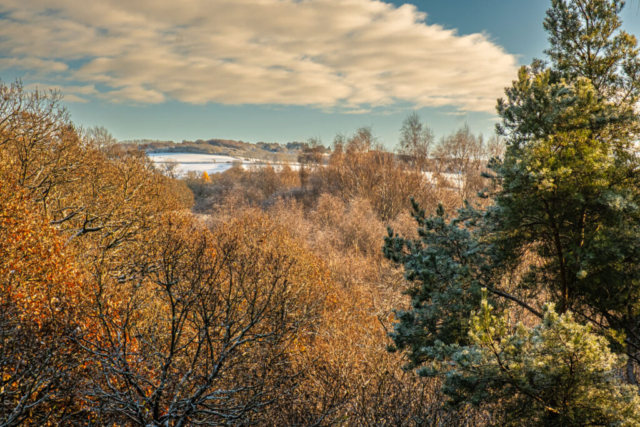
210 163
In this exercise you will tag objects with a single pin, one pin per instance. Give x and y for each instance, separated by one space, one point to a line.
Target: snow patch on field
216 163
452 180
210 163
193 158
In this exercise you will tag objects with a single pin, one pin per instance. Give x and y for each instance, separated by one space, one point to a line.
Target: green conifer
565 208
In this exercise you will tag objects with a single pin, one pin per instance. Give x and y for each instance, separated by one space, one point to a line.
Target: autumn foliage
119 306
271 297
41 307
269 307
205 325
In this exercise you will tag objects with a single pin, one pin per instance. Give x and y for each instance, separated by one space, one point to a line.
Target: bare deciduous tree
99 137
464 155
171 169
201 327
416 139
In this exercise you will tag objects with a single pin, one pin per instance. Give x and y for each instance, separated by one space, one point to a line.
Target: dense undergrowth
339 208
268 305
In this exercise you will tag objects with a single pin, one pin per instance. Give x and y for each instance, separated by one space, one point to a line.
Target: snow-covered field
453 180
211 163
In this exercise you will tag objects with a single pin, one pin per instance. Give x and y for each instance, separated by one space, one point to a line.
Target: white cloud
136 94
358 111
354 54
31 63
70 93
75 98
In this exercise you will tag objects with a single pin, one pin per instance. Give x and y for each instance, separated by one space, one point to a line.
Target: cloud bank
347 54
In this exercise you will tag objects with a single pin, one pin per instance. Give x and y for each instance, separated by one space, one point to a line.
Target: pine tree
557 373
563 224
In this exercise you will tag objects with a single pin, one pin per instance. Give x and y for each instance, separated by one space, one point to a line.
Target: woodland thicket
454 282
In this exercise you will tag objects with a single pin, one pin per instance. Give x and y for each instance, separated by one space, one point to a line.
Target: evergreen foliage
556 374
562 226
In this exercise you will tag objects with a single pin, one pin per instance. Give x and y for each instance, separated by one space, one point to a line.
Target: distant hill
268 151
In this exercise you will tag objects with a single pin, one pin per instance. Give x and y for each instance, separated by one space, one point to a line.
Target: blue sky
231 69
